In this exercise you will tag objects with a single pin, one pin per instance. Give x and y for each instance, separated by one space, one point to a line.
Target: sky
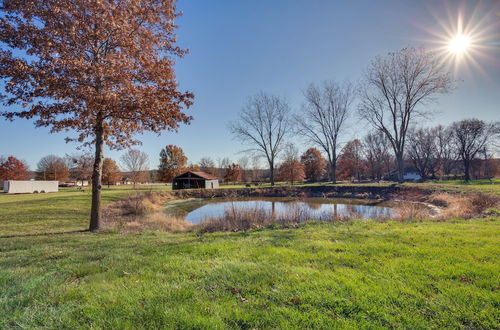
240 48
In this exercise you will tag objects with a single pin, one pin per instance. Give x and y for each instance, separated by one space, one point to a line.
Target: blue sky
239 48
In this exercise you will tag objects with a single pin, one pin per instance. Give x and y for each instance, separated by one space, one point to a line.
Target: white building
30 187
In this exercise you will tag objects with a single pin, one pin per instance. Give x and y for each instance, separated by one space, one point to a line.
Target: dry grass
143 212
411 211
463 206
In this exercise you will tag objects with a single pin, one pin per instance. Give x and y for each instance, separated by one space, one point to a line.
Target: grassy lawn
324 275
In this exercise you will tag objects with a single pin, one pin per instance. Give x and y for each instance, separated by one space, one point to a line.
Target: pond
195 211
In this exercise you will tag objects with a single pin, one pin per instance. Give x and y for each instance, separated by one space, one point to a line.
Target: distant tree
470 137
244 164
232 173
256 169
395 88
423 152
207 165
81 166
264 123
12 168
111 173
136 163
291 169
172 163
52 168
447 154
324 118
314 164
104 69
194 167
377 155
222 165
351 164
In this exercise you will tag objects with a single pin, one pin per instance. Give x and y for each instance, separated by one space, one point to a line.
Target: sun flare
459 44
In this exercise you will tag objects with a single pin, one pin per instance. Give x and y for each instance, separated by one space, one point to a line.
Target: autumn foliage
351 164
13 169
111 173
172 163
232 173
101 69
314 164
291 171
52 168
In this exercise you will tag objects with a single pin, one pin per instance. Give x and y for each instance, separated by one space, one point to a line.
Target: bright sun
459 44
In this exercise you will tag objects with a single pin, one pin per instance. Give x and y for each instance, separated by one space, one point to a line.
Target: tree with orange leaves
172 163
291 171
111 173
232 173
13 169
314 164
351 163
103 69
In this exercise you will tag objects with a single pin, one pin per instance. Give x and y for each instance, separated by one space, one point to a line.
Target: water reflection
315 208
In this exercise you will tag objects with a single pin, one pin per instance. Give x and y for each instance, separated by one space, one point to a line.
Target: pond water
195 211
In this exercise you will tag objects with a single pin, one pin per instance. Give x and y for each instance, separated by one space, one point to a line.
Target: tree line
395 94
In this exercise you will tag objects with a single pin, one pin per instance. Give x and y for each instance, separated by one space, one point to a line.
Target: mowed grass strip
323 275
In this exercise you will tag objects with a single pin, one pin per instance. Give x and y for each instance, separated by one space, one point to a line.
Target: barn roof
202 175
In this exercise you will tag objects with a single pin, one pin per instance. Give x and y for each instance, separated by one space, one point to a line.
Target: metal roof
203 175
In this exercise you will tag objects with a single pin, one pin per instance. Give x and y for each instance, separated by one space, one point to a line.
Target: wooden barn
194 180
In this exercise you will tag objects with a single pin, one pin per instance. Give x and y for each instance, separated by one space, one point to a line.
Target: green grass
323 275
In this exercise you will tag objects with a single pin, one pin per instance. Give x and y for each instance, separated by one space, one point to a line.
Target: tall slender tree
394 90
264 123
323 118
102 69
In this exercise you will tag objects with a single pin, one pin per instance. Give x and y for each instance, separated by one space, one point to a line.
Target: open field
354 274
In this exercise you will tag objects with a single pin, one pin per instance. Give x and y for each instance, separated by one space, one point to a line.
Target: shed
194 180
30 187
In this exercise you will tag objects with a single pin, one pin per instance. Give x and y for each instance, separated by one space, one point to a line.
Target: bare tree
446 152
378 155
136 163
244 163
264 123
394 89
81 166
52 167
423 151
324 118
222 165
471 136
208 165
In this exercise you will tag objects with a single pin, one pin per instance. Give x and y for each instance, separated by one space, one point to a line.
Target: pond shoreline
143 210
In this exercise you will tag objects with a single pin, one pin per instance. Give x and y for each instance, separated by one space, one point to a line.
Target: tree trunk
466 170
333 172
400 166
271 169
95 212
